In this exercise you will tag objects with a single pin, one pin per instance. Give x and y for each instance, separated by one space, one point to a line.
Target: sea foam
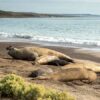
51 40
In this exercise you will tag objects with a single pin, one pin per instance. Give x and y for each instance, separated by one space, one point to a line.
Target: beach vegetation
15 87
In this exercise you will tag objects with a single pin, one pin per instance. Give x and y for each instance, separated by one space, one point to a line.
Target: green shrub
11 85
58 95
14 86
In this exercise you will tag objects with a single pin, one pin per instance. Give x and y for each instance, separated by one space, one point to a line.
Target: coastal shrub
58 95
15 87
11 85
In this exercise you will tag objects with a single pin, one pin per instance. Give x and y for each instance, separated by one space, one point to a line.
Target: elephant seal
33 53
70 74
51 60
21 54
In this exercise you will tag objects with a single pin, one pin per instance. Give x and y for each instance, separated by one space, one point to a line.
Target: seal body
71 74
51 60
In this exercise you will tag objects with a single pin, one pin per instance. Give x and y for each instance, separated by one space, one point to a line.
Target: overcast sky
52 6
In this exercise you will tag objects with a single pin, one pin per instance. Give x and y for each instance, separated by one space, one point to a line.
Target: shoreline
54 44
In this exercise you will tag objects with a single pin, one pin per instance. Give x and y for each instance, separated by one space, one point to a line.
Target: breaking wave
53 40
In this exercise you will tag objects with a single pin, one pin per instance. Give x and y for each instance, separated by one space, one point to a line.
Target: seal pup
51 60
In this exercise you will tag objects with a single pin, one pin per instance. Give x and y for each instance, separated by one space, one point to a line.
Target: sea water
76 32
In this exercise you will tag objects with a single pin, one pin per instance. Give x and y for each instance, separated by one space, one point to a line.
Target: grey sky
52 6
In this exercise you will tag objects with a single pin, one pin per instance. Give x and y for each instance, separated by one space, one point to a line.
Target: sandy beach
24 69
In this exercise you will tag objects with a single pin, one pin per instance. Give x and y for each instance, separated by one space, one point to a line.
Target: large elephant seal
70 74
33 53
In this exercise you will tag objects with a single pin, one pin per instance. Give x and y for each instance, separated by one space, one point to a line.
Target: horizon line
48 13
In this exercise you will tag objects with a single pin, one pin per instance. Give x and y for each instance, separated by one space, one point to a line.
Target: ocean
67 32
